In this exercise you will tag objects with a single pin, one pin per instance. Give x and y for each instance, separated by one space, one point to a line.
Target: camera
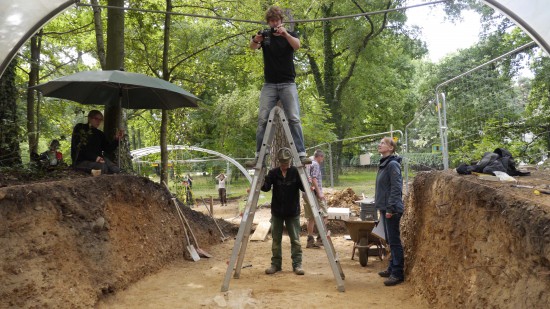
266 33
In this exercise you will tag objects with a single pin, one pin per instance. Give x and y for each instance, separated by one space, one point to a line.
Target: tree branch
316 74
203 49
366 40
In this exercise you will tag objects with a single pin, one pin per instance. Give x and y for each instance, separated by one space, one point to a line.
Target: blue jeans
288 94
393 238
293 230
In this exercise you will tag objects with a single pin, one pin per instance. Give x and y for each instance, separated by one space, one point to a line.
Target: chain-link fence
352 162
486 108
475 112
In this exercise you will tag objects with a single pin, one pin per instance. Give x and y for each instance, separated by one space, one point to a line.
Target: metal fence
477 111
352 162
483 109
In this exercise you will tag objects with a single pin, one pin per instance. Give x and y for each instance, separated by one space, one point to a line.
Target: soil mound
476 244
69 243
345 198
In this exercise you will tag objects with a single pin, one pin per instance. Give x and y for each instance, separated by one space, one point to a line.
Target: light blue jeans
288 94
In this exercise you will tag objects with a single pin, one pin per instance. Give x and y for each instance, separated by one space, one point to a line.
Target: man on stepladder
278 46
316 178
285 211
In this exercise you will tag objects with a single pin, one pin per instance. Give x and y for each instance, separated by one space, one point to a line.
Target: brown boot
311 242
319 241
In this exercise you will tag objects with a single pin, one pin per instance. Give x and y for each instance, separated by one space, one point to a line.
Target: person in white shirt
221 188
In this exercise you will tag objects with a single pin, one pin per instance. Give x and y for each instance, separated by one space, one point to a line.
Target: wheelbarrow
363 238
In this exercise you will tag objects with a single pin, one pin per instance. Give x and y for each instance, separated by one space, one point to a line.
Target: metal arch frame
505 7
138 153
32 30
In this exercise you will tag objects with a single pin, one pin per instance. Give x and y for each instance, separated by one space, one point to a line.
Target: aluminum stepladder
241 241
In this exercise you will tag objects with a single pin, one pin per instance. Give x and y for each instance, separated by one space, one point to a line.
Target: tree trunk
32 115
100 41
330 83
165 76
10 154
114 117
163 147
114 61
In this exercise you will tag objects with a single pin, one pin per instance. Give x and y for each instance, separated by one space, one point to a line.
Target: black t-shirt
279 60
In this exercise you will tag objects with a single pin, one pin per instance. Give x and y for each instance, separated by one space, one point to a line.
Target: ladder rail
241 241
329 248
239 249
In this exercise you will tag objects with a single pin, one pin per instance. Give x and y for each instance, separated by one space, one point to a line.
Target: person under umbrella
88 145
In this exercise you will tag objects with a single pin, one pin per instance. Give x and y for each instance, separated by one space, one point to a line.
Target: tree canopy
355 76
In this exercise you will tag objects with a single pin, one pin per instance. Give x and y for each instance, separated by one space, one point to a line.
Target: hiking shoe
393 281
299 270
319 242
305 160
384 274
273 269
311 242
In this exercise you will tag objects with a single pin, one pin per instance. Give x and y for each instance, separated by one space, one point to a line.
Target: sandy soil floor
186 284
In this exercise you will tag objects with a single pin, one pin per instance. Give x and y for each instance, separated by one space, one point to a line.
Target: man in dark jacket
88 144
285 210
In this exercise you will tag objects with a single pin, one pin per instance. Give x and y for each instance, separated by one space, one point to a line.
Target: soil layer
477 244
67 244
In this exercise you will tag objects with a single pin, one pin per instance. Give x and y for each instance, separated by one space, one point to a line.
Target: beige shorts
322 208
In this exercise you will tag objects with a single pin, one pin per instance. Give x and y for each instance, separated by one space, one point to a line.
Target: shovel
204 203
190 247
194 255
199 250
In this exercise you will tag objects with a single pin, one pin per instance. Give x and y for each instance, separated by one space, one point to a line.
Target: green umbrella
132 90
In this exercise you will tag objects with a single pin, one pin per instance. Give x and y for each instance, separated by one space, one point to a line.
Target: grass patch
361 180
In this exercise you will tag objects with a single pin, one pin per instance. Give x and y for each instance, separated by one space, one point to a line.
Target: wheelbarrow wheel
363 251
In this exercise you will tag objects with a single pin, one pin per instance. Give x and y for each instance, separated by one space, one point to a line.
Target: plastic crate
337 213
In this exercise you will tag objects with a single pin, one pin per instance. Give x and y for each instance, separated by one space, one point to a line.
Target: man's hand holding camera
280 31
265 36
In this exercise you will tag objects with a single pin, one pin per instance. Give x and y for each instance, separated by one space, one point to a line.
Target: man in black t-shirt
279 77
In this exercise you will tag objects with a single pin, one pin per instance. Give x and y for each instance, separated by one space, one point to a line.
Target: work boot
251 163
305 160
311 242
384 274
299 270
319 241
393 281
273 269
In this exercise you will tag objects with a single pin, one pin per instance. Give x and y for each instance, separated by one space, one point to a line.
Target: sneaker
251 163
311 242
305 160
299 270
384 274
393 281
273 269
319 242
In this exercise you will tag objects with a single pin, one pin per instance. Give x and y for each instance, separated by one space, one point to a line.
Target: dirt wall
471 244
67 244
